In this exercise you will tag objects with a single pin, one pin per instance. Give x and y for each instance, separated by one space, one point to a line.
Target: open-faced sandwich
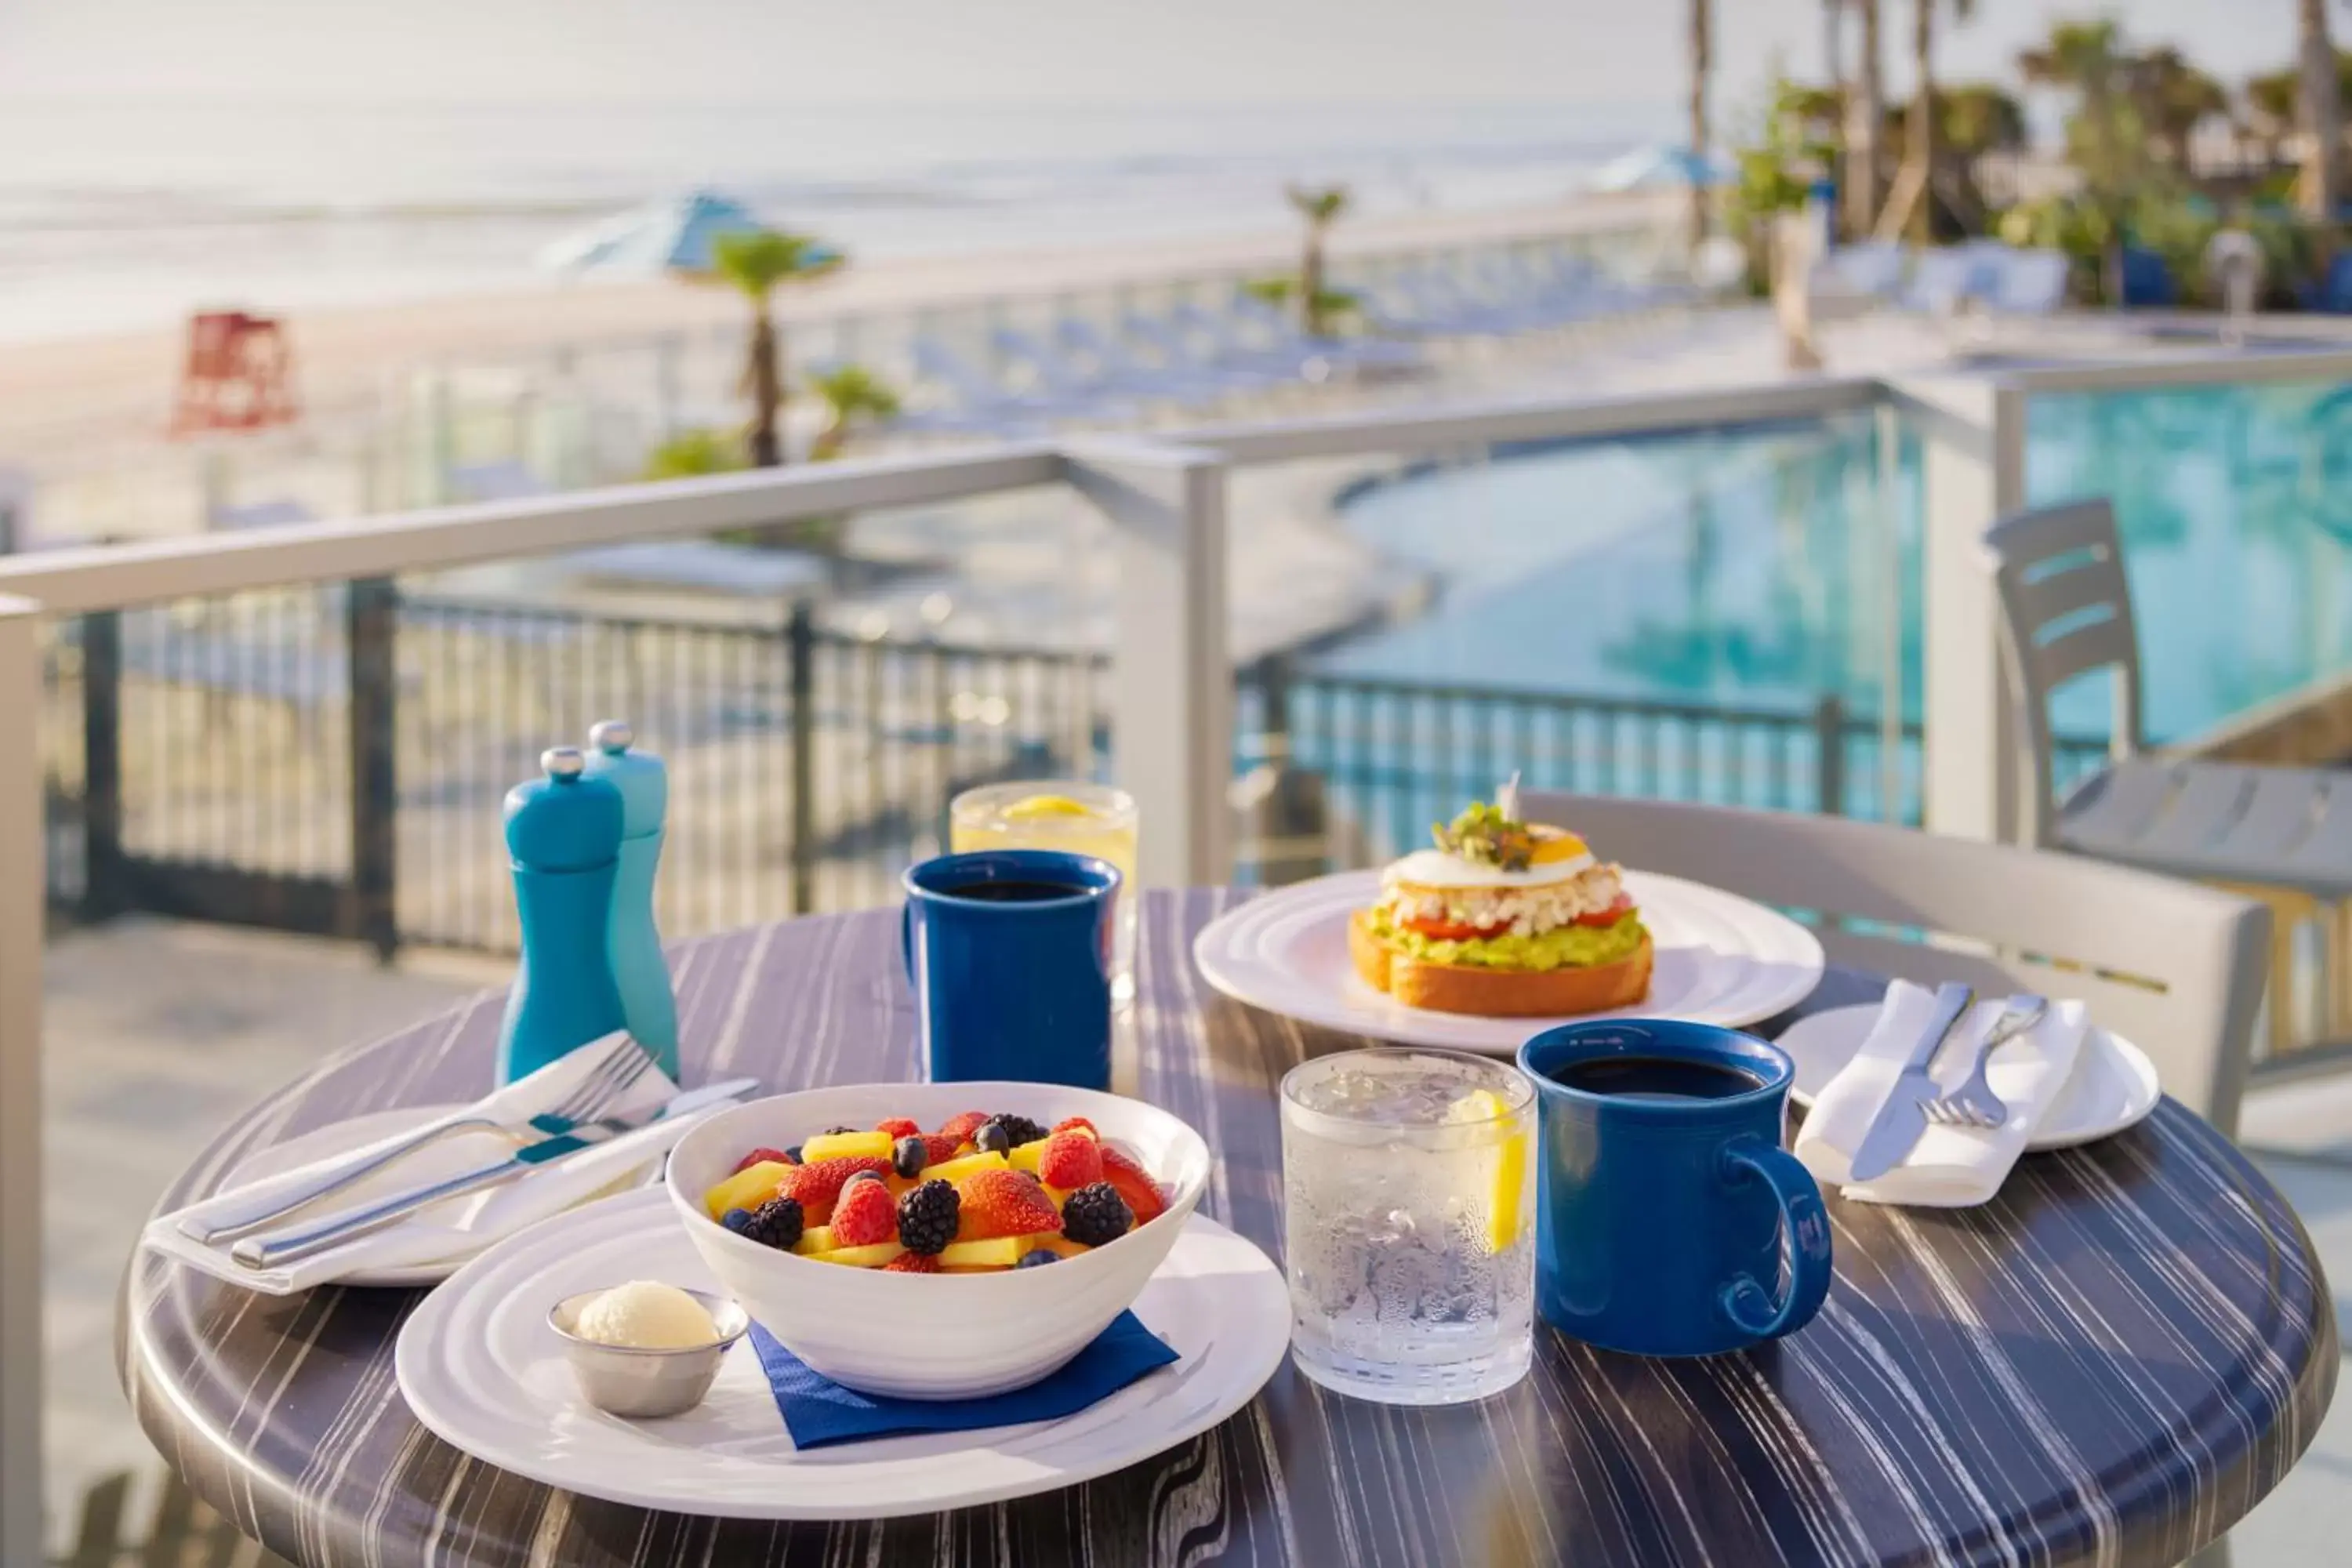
1504 917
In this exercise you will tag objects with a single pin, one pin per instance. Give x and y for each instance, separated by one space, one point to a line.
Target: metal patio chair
2284 834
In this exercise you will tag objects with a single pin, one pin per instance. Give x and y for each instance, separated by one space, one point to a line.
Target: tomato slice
1610 916
1450 930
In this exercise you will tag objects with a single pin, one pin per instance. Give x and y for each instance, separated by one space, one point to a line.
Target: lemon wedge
1502 1154
1037 805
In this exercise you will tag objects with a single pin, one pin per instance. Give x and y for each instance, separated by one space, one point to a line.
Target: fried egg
1560 857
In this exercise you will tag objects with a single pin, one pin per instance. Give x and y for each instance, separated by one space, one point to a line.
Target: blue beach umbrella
677 233
1663 168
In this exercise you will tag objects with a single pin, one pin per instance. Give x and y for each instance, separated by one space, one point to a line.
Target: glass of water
1067 814
1409 1205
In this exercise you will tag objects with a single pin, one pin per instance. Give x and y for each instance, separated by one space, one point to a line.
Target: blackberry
908 1155
928 1216
1095 1214
1020 1129
831 1131
1043 1255
776 1223
991 1138
737 1220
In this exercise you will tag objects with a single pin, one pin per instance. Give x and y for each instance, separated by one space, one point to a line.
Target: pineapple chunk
969 1165
816 1238
873 1257
746 1189
846 1145
1024 1158
997 1252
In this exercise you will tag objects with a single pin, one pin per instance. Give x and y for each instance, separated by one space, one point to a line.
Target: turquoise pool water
1751 567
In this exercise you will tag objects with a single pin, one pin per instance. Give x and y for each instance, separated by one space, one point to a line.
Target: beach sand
112 389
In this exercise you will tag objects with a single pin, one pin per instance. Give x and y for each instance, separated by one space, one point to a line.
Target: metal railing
1169 694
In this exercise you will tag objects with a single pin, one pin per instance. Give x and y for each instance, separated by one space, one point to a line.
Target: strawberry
1133 1182
912 1263
899 1127
938 1148
961 1128
1070 1160
759 1155
1003 1202
1069 1123
865 1214
817 1185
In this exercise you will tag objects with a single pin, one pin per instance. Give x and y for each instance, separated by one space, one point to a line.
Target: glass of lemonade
1059 814
1409 1224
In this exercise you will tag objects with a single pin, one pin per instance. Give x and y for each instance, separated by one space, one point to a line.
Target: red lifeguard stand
240 374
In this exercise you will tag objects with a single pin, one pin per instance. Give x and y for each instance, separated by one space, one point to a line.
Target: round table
2110 1363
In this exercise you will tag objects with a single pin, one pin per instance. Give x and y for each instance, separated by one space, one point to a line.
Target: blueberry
861 1176
1043 1255
793 1154
990 1137
907 1156
737 1220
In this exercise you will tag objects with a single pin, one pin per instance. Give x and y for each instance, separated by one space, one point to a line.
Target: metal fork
1974 1104
622 1067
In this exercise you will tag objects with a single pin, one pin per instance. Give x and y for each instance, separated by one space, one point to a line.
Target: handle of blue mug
907 937
1806 1233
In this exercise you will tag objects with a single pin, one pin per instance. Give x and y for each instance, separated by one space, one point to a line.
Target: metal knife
291 1246
1903 1118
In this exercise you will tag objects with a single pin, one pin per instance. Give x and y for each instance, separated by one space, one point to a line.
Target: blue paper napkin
818 1411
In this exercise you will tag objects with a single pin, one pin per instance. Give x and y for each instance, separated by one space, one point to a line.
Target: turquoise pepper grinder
563 842
638 967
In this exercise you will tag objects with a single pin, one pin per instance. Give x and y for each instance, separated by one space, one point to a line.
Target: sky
1032 52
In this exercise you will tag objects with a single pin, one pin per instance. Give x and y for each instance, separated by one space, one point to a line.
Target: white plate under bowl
2112 1086
480 1367
320 1143
1720 959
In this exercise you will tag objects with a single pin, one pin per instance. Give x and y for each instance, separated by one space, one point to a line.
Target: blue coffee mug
1009 951
1669 1220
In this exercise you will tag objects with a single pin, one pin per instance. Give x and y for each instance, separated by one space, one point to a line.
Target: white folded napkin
459 1227
1949 1167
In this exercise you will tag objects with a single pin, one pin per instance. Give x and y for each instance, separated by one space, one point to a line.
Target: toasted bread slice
1495 993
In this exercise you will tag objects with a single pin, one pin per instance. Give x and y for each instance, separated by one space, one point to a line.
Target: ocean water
1752 568
111 220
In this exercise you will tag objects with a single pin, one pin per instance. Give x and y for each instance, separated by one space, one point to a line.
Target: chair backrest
2065 611
2176 968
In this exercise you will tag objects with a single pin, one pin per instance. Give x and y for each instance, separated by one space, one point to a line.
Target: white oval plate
2113 1086
480 1367
1721 959
320 1143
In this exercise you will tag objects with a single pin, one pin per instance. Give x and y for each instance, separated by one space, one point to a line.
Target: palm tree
1920 138
850 393
756 263
2322 121
1864 117
1702 61
2089 57
1321 207
2173 98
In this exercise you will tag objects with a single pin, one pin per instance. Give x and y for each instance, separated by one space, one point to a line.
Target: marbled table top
2110 1363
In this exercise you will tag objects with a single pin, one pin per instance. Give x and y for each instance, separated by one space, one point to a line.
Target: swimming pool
1751 567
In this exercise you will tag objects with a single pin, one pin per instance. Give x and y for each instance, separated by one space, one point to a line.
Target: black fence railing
331 761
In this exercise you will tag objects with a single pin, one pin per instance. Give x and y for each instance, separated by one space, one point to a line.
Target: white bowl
934 1336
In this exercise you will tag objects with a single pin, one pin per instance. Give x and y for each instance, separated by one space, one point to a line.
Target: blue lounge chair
1173 343
1060 382
980 396
1347 354
1177 381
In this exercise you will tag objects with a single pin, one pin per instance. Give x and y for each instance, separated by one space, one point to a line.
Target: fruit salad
983 1194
